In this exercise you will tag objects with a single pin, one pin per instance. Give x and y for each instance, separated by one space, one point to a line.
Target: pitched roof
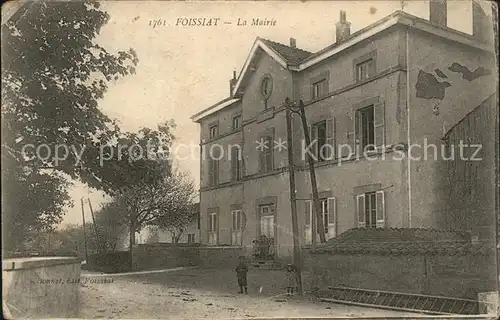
296 59
290 54
405 241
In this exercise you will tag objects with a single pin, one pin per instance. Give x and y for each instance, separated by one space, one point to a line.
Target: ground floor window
190 238
212 228
329 215
237 227
370 210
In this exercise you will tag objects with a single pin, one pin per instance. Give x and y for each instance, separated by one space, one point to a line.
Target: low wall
462 276
164 256
39 287
221 257
109 262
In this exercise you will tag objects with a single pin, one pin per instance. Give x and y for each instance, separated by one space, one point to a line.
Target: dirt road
197 293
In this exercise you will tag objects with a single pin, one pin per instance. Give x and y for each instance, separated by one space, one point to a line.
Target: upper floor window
213 169
365 69
321 136
319 89
236 122
266 154
367 128
370 208
236 163
266 86
323 140
213 131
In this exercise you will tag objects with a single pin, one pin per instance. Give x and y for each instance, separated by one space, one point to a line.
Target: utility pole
84 233
95 227
293 200
317 219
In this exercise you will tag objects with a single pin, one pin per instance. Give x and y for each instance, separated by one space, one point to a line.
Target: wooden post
84 233
317 218
98 242
293 202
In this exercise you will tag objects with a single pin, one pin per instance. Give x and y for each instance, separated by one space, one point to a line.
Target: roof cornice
216 107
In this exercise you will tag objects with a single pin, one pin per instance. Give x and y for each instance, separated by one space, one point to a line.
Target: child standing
291 280
241 273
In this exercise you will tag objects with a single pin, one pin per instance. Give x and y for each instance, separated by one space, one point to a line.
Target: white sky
183 70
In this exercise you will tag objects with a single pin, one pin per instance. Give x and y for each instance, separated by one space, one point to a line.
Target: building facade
374 101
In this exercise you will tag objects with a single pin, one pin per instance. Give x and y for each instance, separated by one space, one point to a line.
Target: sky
183 70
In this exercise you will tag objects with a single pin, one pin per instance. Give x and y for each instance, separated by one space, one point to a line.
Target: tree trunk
131 243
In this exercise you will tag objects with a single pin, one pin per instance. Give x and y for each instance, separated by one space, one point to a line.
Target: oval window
266 86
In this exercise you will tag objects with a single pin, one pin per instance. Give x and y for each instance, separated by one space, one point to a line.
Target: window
237 227
190 238
367 128
371 209
266 86
213 167
236 163
320 137
212 228
213 131
266 155
323 139
328 212
267 220
319 89
236 122
365 69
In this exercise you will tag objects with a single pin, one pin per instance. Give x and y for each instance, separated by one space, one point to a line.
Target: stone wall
45 287
164 256
462 276
221 257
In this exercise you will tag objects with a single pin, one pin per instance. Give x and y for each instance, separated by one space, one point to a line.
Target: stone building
377 101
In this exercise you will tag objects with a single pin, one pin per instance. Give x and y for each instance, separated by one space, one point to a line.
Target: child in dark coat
241 273
291 280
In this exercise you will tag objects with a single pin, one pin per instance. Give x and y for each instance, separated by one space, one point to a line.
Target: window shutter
379 121
332 208
262 154
211 172
308 213
372 68
351 135
360 210
380 209
234 164
330 139
314 142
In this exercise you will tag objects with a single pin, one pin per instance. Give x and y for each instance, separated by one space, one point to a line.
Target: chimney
438 12
293 43
232 84
343 28
480 22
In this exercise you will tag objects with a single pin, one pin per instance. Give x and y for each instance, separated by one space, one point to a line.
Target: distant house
191 234
398 82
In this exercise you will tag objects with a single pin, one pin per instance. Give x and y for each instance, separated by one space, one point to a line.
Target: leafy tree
162 203
53 76
177 222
